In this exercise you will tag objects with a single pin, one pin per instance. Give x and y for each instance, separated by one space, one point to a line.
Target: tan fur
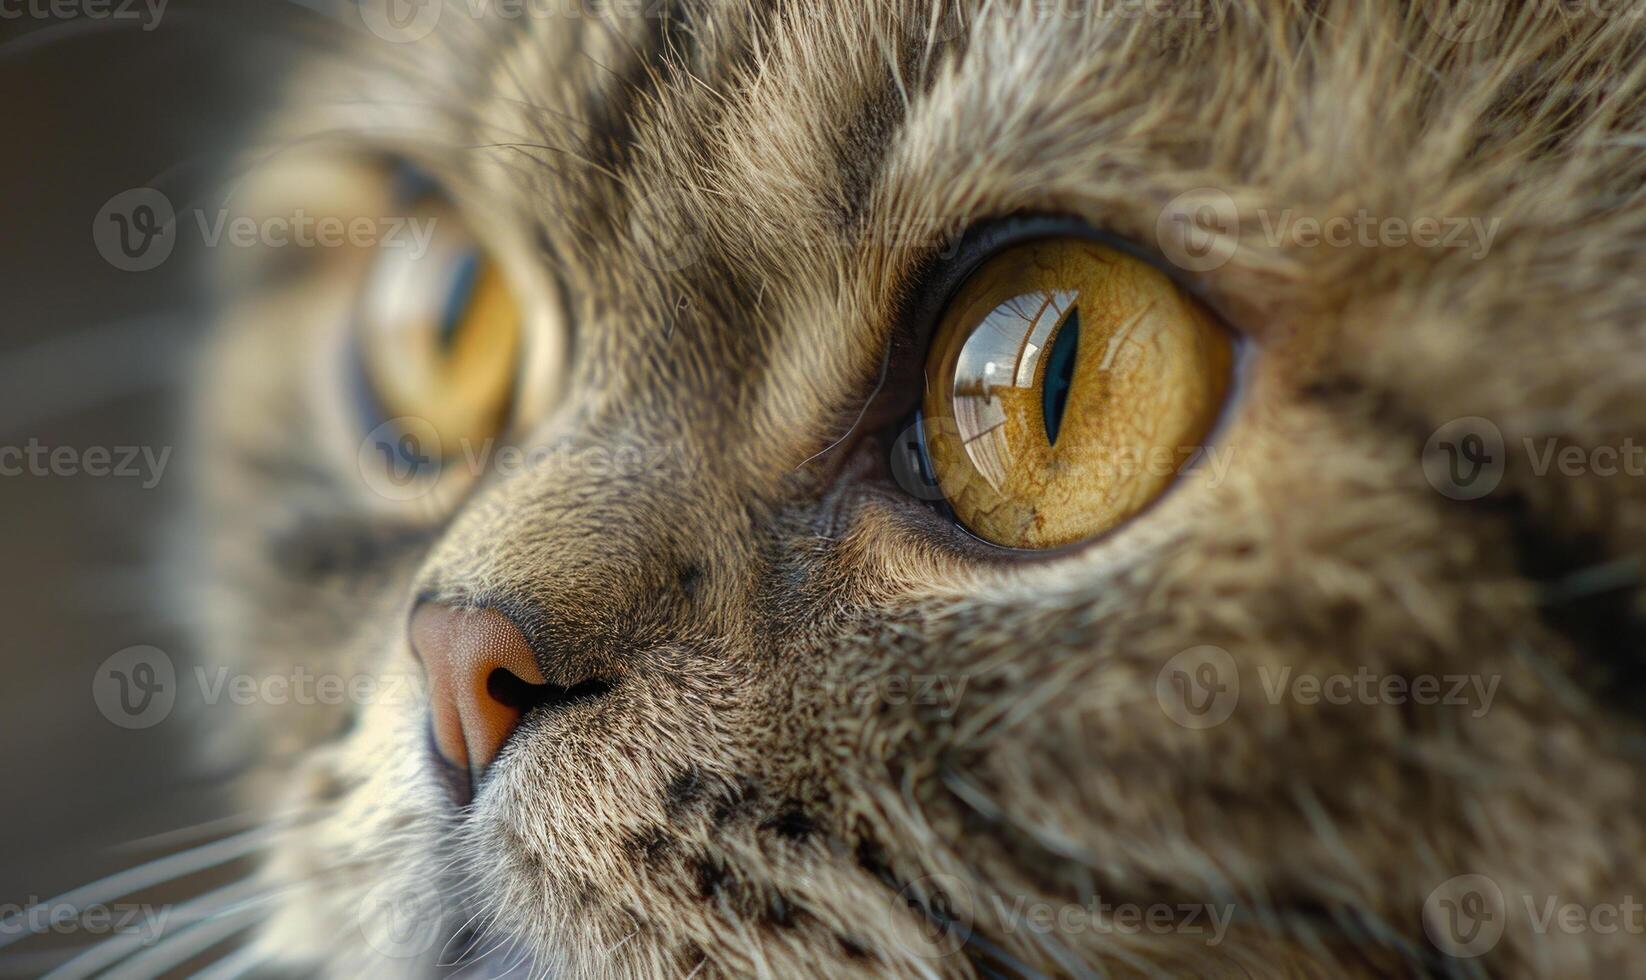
734 807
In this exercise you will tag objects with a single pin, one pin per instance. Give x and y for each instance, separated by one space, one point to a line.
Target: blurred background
102 97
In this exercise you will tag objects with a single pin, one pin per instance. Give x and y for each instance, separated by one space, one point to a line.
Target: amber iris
1067 384
439 337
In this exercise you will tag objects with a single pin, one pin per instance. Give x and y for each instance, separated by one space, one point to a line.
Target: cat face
763 701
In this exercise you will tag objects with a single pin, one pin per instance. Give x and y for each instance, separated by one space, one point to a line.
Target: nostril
510 691
507 689
483 678
472 656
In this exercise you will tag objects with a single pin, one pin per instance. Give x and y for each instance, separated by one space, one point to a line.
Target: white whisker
190 942
107 360
236 964
207 828
117 948
152 873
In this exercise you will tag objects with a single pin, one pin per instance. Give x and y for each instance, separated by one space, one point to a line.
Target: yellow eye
1066 385
439 334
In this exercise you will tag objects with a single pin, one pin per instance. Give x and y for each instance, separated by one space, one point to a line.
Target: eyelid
942 276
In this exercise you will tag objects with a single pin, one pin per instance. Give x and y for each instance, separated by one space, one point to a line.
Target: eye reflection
994 375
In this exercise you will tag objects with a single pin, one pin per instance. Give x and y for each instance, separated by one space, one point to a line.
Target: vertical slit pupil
1054 390
457 300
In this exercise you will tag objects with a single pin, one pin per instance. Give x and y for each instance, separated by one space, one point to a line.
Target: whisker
195 18
117 948
191 941
237 963
32 964
522 146
885 369
196 918
456 935
110 360
478 955
152 873
205 828
65 31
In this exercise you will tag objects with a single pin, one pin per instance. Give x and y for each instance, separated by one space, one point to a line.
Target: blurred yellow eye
439 335
1066 385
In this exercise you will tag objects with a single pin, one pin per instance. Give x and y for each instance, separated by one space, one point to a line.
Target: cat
764 702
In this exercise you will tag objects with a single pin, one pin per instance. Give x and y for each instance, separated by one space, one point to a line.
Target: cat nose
483 677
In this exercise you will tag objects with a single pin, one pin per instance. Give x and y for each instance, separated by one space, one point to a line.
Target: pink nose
481 675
